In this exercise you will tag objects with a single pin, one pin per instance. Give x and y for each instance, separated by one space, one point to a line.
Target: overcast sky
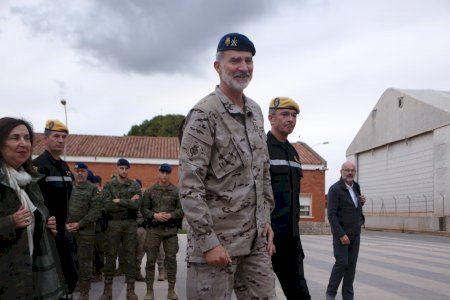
120 62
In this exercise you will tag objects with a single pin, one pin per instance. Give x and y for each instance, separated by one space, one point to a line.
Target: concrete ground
390 266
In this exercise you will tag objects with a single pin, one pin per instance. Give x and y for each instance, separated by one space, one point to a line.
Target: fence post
409 205
372 206
395 205
426 206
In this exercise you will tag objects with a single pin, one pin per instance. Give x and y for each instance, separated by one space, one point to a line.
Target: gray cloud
143 37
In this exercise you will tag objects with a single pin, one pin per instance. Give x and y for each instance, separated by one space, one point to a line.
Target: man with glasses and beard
84 210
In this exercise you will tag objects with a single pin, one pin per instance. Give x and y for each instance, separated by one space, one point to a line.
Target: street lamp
322 143
64 102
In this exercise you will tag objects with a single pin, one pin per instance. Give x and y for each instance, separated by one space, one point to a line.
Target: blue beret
236 41
96 179
165 168
81 165
123 162
90 176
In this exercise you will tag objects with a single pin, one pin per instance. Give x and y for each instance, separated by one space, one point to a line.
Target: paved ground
390 266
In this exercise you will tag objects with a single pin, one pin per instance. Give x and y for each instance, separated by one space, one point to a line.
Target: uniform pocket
226 158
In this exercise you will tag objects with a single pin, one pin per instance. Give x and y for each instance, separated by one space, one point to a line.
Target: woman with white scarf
28 263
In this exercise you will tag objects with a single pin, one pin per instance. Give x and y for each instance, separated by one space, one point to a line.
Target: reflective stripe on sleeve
58 178
282 162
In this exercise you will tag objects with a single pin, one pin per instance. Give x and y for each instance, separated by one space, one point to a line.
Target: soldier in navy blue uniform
56 187
286 172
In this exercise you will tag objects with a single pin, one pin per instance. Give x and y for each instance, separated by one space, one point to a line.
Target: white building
402 153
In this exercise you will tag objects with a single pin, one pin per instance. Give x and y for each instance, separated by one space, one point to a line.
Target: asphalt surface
390 266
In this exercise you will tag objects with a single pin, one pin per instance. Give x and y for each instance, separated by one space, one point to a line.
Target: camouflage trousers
250 276
169 239
99 252
140 250
124 230
140 247
85 253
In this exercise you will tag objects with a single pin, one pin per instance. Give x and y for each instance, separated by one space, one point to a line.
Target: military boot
149 295
84 290
171 295
107 292
130 292
162 274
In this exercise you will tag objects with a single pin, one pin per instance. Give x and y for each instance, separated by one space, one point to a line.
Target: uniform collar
158 186
230 106
51 158
83 185
272 140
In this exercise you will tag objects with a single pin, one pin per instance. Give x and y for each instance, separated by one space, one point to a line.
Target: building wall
148 174
313 182
398 178
441 156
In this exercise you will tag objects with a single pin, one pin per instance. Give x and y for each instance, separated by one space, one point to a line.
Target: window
305 205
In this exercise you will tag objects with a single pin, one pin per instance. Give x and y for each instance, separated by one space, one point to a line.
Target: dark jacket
285 173
344 217
18 279
56 186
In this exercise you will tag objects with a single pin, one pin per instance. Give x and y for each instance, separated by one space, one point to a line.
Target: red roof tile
142 147
116 146
308 155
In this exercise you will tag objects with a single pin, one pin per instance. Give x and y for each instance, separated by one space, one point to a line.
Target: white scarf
18 180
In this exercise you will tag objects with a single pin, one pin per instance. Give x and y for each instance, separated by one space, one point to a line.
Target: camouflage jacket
162 199
127 208
225 187
85 207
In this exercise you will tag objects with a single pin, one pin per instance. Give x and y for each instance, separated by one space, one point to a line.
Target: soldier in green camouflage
162 209
84 210
122 198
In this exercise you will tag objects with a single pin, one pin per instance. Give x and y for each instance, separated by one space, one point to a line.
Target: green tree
166 125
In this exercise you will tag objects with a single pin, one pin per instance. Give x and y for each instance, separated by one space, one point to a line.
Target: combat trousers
287 263
125 230
99 252
169 239
161 257
140 248
344 268
251 276
85 243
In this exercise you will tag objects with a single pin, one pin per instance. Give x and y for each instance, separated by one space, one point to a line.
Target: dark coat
56 187
344 217
18 280
285 174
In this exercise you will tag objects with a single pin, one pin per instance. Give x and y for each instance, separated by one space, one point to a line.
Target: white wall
441 154
402 169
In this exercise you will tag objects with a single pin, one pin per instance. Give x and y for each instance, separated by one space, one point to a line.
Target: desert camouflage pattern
225 187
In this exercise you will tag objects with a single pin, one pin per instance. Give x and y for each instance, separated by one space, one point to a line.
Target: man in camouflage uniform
84 210
225 186
122 198
162 209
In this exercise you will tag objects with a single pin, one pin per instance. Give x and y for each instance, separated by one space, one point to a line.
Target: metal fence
405 205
